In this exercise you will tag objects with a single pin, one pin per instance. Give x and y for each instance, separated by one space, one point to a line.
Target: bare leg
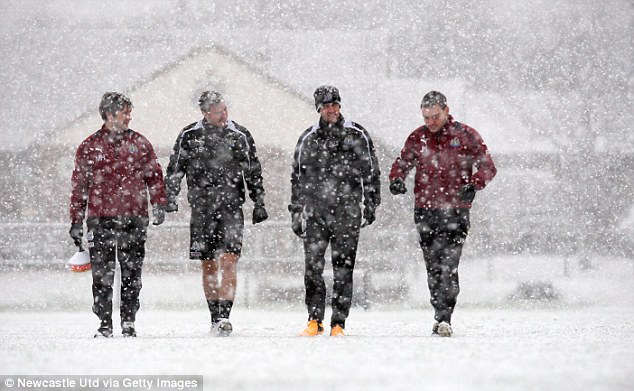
211 282
229 276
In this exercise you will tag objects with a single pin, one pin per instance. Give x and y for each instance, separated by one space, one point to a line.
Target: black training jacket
217 163
335 164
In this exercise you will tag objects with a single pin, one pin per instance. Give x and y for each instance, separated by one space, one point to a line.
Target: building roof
168 101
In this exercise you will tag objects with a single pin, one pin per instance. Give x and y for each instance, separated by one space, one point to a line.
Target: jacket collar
111 135
209 126
325 128
445 129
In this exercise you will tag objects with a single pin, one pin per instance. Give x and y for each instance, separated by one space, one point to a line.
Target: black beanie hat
326 94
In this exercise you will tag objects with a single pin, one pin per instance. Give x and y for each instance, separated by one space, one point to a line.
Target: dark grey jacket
334 165
217 163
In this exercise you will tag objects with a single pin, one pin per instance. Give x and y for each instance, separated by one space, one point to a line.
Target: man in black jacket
334 169
218 156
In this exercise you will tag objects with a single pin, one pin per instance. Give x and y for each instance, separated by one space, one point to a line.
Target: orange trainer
313 328
337 331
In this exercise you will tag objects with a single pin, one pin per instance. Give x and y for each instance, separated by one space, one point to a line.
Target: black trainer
442 329
105 330
221 328
127 329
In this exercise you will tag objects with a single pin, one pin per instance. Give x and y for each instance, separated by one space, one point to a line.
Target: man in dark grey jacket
218 156
335 169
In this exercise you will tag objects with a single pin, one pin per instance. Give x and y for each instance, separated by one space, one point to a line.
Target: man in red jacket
452 163
115 169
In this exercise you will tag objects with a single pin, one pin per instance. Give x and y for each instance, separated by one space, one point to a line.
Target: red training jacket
444 162
113 174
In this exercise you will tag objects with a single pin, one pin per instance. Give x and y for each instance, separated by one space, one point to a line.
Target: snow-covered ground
493 349
584 340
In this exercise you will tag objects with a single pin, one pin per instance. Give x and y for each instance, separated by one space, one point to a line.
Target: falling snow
548 266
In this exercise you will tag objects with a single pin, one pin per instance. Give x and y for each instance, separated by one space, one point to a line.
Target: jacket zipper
436 164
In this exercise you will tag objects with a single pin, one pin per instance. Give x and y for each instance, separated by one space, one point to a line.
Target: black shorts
215 231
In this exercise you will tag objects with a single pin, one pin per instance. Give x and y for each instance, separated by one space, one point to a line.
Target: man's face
218 115
120 120
330 112
435 117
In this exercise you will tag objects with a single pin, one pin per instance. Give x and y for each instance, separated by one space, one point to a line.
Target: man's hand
298 223
259 214
171 206
77 233
368 216
398 187
158 214
467 193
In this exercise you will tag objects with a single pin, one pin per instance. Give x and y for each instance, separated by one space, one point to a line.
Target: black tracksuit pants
442 233
109 240
339 227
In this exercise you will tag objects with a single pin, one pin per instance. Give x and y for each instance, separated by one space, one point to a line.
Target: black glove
368 216
298 223
259 214
398 187
77 233
158 214
171 206
467 193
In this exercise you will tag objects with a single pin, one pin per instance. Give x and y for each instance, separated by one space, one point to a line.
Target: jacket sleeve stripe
180 145
231 126
300 148
352 125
